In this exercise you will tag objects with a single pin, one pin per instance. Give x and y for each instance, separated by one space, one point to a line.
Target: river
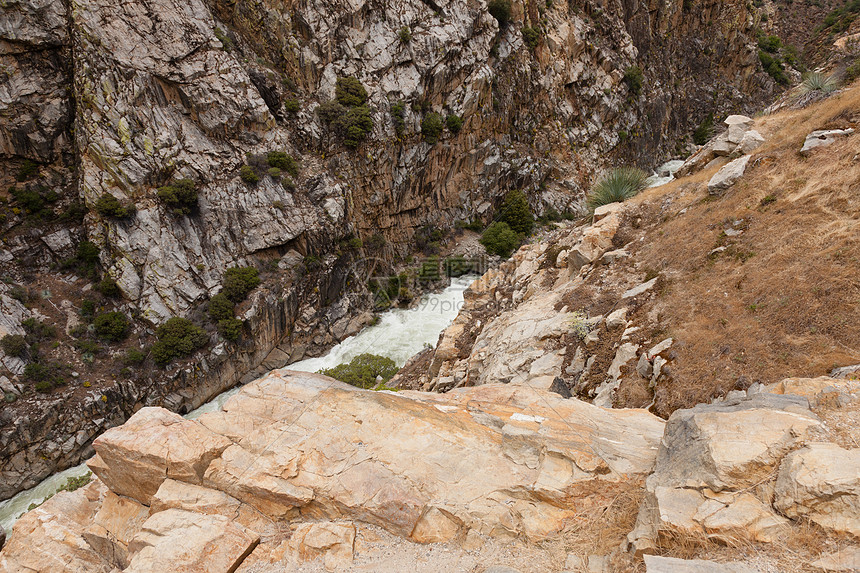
399 335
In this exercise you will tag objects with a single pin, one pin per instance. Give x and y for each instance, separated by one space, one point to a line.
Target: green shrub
291 106
818 82
454 123
357 123
112 326
405 35
108 288
37 330
180 196
398 117
274 173
31 201
45 375
14 345
29 169
133 357
362 370
852 72
230 328
501 11
239 281
283 161
178 337
109 206
616 185
515 211
88 308
773 66
249 175
85 261
431 127
770 44
500 239
349 92
221 307
634 79
531 37
705 131
331 112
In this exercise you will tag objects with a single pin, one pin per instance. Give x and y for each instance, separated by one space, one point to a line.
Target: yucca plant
818 82
616 185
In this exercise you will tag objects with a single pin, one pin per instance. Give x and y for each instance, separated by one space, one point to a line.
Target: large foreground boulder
712 460
305 451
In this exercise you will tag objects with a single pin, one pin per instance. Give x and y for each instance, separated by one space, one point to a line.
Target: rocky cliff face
100 99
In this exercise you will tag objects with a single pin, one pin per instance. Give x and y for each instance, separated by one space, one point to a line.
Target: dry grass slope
783 298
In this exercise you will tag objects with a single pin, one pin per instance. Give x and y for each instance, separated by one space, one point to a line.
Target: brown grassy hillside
783 299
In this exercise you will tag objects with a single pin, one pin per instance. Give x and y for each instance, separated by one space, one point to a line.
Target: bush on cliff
230 328
348 114
362 370
14 345
220 307
431 127
111 326
634 79
515 211
349 92
501 11
180 196
109 206
616 185
500 239
283 161
177 338
239 281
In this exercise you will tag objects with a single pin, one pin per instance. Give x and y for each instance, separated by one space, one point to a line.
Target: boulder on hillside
154 444
728 175
821 482
823 138
709 464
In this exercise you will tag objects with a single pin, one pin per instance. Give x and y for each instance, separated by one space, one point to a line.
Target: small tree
398 117
180 196
112 326
109 206
178 337
634 78
349 92
14 345
431 127
454 123
362 370
239 281
221 307
283 161
515 211
500 239
501 11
